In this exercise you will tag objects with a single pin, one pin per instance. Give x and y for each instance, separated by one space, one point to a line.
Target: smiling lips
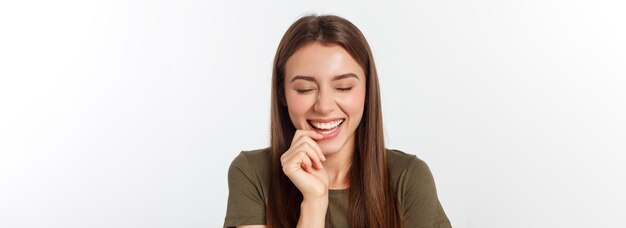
326 127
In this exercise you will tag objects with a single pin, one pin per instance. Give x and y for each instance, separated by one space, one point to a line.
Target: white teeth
326 126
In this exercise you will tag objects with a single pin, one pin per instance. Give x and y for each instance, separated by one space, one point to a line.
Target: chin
331 147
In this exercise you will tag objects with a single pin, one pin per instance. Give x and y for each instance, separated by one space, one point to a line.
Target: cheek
298 106
353 104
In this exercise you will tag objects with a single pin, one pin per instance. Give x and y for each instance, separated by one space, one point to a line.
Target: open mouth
326 128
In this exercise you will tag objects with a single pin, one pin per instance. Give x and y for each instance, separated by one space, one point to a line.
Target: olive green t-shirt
248 183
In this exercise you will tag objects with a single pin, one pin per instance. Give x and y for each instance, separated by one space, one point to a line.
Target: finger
294 156
295 160
306 163
284 157
312 143
317 148
306 149
313 154
308 133
289 155
305 136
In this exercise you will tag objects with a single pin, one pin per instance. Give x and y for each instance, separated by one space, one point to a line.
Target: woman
327 165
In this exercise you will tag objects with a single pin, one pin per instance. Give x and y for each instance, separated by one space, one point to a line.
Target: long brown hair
372 201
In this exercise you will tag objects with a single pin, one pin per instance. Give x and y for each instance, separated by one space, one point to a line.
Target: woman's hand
302 163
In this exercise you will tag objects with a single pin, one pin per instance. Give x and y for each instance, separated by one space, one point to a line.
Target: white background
128 113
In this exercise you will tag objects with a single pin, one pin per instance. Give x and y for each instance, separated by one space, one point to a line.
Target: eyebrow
338 77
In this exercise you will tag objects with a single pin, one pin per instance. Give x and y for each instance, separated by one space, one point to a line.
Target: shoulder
247 188
251 161
400 160
416 190
258 155
250 170
404 165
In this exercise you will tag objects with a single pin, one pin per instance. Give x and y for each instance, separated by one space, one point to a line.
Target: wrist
313 212
314 202
316 195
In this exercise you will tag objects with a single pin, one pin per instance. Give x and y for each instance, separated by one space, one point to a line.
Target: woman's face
325 92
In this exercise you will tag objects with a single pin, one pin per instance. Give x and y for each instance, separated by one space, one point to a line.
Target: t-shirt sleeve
245 200
421 204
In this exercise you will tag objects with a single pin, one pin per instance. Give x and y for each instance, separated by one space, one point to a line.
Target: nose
325 103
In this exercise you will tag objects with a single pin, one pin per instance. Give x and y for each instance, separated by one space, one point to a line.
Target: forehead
322 62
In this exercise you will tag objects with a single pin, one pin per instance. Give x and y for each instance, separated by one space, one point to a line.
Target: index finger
310 133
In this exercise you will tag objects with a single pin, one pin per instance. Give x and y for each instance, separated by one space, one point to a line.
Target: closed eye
302 91
344 89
